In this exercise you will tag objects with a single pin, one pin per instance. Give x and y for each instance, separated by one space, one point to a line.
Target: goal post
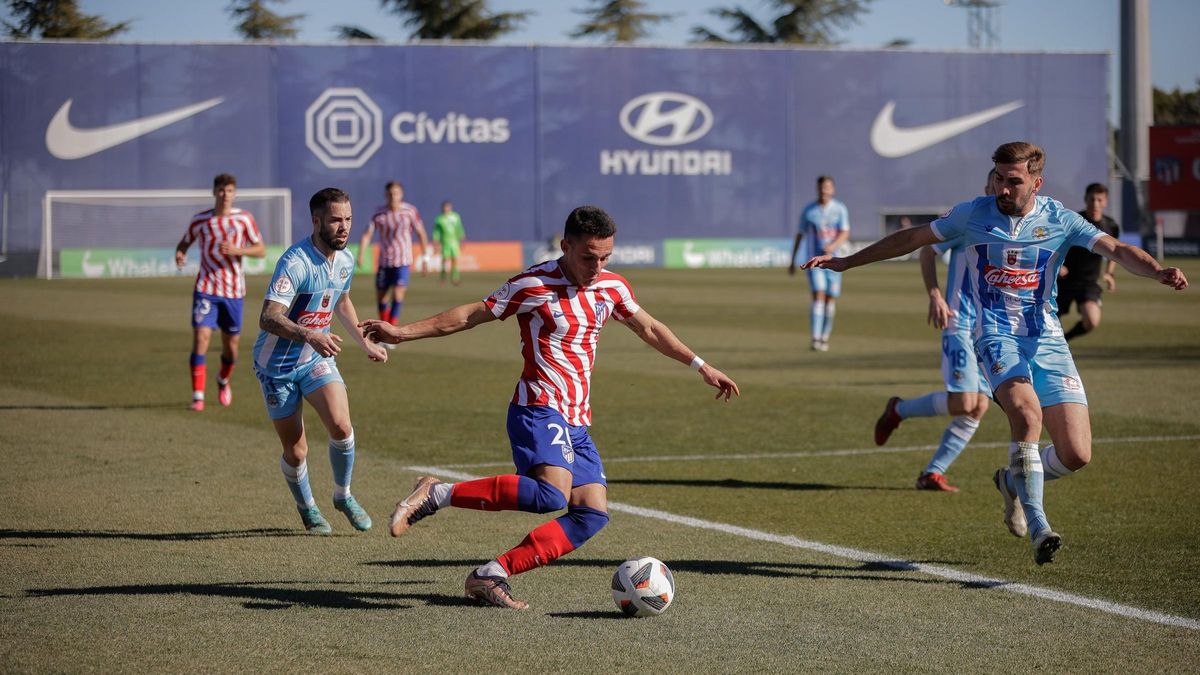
142 225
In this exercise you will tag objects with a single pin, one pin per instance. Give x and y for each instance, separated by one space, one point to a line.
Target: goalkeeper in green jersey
448 231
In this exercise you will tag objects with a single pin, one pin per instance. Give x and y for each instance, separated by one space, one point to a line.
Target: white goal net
134 232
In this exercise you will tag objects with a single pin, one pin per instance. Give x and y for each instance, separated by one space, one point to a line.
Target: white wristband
697 363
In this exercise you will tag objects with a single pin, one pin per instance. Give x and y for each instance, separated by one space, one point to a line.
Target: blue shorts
540 435
961 370
283 395
825 281
211 311
1043 360
386 277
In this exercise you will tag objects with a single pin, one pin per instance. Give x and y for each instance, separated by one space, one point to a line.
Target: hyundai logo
666 118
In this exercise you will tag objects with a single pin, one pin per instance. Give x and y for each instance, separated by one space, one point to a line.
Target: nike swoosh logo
890 141
65 141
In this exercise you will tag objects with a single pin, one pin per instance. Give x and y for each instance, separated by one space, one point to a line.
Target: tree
257 22
809 22
618 20
454 19
1177 107
58 19
345 32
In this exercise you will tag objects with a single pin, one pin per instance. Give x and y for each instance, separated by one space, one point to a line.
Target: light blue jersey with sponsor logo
309 285
820 225
1011 264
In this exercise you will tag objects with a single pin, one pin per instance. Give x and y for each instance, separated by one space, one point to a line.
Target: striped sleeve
518 295
252 233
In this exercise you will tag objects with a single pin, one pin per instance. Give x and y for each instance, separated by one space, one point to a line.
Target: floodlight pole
1136 114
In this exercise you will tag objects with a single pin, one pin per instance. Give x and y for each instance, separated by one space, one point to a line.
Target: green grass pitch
139 536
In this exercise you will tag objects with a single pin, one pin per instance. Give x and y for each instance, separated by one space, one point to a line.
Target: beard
329 240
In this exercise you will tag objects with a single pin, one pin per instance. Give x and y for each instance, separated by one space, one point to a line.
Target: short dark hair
822 178
223 179
1095 188
323 198
589 221
388 187
1020 151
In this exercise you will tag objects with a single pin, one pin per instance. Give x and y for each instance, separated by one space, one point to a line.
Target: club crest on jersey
343 273
1012 256
324 301
1005 277
997 368
283 285
601 311
1040 232
957 375
272 400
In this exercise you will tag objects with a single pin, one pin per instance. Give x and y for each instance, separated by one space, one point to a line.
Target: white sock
340 492
1052 465
441 494
491 569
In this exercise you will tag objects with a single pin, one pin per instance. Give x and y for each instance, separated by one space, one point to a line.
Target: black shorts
1078 294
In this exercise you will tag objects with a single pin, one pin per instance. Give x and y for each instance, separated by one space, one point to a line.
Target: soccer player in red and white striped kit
560 307
396 222
224 235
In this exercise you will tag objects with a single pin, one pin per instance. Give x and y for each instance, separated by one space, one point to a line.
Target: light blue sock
341 458
816 318
297 482
924 406
954 440
827 327
1025 467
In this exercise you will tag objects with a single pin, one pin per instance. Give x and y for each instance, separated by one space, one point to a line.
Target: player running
448 231
825 225
294 355
1014 244
225 234
966 394
560 306
1078 279
396 222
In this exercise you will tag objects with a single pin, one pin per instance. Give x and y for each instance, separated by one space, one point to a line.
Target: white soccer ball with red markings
643 587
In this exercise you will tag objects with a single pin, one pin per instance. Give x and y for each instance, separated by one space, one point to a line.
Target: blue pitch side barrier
674 142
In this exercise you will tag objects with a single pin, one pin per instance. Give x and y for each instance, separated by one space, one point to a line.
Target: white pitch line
859 555
830 453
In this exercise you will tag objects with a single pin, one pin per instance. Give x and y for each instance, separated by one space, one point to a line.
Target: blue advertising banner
705 143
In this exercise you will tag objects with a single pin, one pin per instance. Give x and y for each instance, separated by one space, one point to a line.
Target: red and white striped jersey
395 229
221 275
560 324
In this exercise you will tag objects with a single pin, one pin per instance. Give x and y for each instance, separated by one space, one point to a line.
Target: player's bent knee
582 523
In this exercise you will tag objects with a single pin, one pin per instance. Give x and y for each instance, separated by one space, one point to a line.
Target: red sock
198 375
226 370
498 493
545 543
385 312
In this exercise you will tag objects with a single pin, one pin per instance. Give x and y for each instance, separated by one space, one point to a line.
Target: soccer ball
643 587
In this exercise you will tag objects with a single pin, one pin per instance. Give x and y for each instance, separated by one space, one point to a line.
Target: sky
1025 25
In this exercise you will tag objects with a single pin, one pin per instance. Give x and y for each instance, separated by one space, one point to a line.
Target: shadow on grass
884 570
268 595
151 536
745 484
81 406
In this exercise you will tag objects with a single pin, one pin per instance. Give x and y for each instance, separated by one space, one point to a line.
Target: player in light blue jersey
1014 244
824 227
966 394
294 355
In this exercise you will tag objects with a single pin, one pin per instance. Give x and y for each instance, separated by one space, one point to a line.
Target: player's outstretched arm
939 311
274 320
451 321
181 252
365 245
348 316
1139 262
258 250
896 244
656 334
